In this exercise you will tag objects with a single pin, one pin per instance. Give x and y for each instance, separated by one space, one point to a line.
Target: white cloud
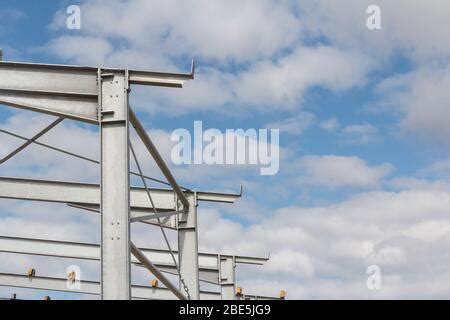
323 252
339 171
260 29
265 37
81 50
422 98
438 169
412 28
285 81
360 134
264 43
229 30
266 86
295 125
403 183
329 125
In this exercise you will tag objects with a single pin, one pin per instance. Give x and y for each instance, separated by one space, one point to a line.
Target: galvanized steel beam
157 273
87 193
69 91
90 287
208 262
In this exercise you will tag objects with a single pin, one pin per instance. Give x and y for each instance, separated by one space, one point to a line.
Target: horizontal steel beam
78 193
167 218
69 91
139 77
93 288
161 215
161 79
85 193
90 287
208 262
257 297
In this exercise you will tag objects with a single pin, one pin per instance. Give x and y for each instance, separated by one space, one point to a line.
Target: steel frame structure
100 96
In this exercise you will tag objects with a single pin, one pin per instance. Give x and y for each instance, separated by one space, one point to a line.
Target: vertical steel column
227 269
188 248
115 186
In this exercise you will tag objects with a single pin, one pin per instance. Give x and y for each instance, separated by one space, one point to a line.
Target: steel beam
87 196
69 91
62 249
55 73
157 157
85 193
161 215
156 272
167 218
257 297
208 262
93 288
161 79
90 287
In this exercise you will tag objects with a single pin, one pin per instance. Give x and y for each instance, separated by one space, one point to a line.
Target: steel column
227 278
115 187
188 247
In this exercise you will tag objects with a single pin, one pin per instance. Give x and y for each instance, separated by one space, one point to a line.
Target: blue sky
363 125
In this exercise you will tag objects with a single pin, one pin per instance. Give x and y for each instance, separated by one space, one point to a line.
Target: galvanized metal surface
188 247
114 188
69 91
227 277
88 193
90 287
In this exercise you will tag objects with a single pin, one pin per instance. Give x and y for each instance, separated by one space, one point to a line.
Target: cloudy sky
363 117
